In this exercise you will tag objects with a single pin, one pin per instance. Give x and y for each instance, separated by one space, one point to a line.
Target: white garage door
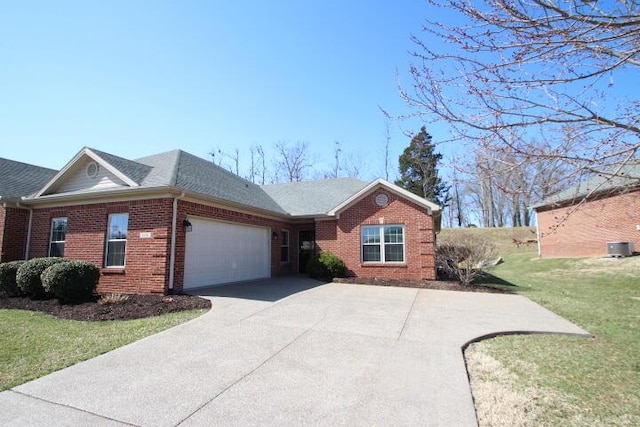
220 252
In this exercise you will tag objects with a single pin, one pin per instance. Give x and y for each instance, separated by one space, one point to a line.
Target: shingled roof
628 177
190 173
181 171
309 198
19 179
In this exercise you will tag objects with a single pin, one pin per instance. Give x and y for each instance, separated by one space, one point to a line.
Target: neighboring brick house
173 221
582 220
16 180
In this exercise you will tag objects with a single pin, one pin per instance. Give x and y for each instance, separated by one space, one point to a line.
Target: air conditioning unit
620 249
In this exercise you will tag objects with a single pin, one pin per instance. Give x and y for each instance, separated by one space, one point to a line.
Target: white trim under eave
101 196
96 158
430 206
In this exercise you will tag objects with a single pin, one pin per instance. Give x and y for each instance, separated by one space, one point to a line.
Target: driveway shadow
490 279
262 290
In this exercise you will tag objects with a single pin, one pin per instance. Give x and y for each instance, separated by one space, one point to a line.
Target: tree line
287 162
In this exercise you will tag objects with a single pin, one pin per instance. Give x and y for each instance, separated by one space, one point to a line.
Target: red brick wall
586 231
13 233
186 209
343 238
147 259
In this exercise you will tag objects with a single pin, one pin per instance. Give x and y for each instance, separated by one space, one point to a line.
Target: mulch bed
140 306
422 284
135 307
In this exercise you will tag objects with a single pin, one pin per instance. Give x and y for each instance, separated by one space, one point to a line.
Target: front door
307 247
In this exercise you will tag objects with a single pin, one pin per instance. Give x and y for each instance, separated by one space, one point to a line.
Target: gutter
172 253
28 243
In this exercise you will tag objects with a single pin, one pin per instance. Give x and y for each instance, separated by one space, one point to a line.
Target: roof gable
19 179
111 172
381 183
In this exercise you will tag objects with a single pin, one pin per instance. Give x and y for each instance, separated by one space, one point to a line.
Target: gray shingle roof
134 170
19 179
313 197
187 172
627 177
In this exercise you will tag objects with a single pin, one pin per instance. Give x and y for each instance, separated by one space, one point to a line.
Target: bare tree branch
544 69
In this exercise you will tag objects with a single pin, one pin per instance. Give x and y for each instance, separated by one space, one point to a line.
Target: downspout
28 243
538 236
172 253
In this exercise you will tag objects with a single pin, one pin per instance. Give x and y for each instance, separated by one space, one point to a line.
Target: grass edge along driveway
558 380
34 344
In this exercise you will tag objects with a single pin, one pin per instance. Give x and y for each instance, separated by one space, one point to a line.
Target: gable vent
92 169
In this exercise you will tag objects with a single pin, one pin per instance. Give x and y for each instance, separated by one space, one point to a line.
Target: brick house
581 220
173 221
16 180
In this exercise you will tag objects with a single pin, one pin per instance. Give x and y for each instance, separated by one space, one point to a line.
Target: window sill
112 270
384 264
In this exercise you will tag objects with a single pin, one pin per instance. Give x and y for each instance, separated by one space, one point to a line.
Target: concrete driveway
289 352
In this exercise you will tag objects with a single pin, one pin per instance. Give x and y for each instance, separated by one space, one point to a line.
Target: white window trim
107 241
288 246
382 244
51 241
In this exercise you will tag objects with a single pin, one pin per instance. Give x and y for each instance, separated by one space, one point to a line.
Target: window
284 246
116 239
58 236
384 243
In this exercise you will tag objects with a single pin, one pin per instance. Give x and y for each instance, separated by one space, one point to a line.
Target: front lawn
560 380
33 344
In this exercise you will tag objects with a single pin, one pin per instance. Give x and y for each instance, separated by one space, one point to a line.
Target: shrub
28 276
72 282
463 256
326 266
8 284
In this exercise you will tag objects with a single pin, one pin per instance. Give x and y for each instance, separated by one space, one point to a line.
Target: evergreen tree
419 170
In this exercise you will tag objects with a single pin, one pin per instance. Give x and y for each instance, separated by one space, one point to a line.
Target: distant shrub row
71 282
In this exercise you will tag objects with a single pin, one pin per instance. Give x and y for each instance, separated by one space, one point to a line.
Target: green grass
596 381
33 344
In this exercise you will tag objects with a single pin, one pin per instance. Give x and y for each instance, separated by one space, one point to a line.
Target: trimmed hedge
326 266
28 276
72 282
8 285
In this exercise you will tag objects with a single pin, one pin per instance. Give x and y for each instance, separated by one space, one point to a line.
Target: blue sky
135 78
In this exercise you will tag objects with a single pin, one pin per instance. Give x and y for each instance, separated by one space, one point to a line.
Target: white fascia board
59 175
378 183
85 151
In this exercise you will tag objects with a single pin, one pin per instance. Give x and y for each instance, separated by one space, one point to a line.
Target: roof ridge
175 170
100 152
311 181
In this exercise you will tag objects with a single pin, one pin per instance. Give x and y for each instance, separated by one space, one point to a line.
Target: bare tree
258 166
353 166
548 69
218 157
336 156
293 162
498 189
387 142
263 163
